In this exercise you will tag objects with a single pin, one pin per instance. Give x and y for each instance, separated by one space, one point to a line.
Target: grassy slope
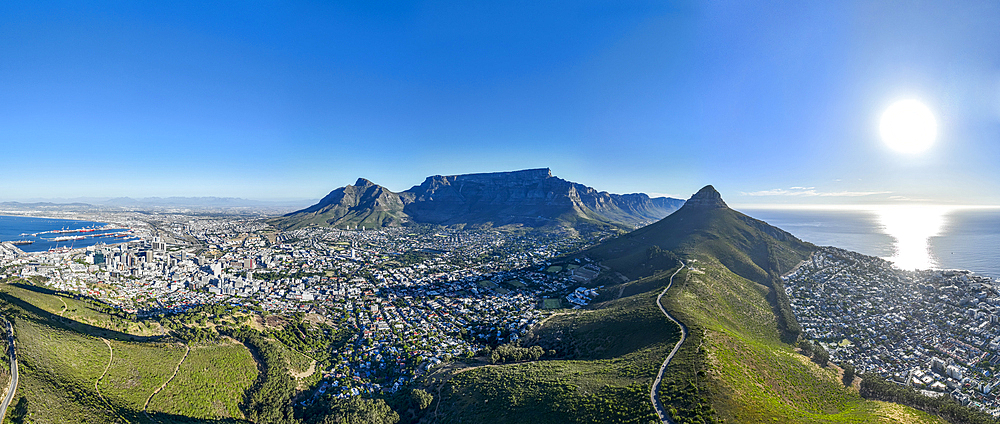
301 367
211 383
747 246
57 373
751 375
4 361
80 311
612 356
137 370
734 365
59 367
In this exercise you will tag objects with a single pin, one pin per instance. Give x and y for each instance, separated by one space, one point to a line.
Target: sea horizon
912 236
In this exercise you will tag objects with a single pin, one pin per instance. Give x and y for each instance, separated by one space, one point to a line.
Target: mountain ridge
529 198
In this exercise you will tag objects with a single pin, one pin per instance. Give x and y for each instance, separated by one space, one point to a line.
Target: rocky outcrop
706 198
531 197
364 204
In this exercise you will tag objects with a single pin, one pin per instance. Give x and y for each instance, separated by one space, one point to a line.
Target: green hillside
71 371
4 363
597 369
705 225
750 375
736 365
210 383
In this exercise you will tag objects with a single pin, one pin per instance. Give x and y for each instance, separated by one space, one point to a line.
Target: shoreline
46 245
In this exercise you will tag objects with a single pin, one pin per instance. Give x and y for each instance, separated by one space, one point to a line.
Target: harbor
35 234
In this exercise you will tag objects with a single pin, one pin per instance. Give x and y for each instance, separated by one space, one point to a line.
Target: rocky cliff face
531 197
706 198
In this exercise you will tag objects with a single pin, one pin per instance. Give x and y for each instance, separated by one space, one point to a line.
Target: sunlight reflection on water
911 228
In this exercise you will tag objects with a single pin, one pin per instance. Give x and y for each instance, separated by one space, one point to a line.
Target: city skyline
770 103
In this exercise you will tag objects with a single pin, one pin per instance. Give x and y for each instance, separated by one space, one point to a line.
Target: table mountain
530 198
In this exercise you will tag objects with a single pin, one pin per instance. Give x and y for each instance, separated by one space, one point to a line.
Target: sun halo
908 126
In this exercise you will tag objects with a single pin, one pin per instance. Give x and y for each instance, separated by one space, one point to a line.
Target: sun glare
908 126
912 228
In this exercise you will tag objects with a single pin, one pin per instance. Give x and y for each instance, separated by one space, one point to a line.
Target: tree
821 356
20 411
848 374
358 410
421 399
807 348
512 353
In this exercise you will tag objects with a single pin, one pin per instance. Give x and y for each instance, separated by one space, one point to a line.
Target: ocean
913 237
39 231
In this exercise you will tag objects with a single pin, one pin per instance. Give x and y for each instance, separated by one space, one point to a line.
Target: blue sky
770 102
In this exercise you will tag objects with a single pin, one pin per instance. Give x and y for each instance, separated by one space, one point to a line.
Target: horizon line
856 206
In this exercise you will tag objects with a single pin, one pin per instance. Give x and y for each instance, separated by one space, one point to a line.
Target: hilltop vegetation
76 372
58 370
80 313
210 383
136 370
597 368
749 374
4 359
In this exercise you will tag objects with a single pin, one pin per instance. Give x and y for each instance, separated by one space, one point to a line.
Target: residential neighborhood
410 297
935 330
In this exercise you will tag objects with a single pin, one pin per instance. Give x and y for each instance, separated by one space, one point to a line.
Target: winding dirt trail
65 306
654 391
164 385
111 357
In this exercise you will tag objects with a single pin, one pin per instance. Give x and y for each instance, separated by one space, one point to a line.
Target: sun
908 126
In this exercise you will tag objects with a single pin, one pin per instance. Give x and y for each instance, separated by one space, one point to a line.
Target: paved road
654 392
13 373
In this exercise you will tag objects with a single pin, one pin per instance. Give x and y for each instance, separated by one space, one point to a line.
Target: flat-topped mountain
531 198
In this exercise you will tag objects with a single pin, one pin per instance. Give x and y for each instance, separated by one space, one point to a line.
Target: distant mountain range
201 202
529 198
207 203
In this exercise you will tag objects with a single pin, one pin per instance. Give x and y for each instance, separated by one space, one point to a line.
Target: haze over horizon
771 103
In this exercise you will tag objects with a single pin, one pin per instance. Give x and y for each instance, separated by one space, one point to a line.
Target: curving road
13 373
654 391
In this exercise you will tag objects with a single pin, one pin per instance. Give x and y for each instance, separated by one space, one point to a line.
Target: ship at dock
68 238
